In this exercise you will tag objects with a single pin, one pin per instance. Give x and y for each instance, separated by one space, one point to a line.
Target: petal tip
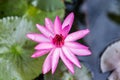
36 47
79 66
37 25
33 56
72 14
57 18
88 52
30 36
46 19
53 71
87 30
44 72
72 72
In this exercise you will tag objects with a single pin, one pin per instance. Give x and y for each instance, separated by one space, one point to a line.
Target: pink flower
54 39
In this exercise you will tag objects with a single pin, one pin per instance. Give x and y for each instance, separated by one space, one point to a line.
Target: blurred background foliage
18 17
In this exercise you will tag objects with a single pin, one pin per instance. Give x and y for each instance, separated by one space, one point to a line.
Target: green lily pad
50 5
16 50
37 16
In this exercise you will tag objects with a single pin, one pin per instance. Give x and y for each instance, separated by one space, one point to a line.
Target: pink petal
49 24
55 59
77 35
57 25
75 45
68 21
38 37
70 56
47 63
65 30
68 64
44 31
46 45
39 53
80 52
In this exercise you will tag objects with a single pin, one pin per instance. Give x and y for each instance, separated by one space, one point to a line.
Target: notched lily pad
110 61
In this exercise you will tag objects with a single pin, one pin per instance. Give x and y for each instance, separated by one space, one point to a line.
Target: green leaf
12 7
63 74
37 16
50 5
16 50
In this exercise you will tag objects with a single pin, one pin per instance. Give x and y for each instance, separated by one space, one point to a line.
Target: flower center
58 40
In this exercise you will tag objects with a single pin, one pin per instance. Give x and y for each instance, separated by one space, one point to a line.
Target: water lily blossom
55 40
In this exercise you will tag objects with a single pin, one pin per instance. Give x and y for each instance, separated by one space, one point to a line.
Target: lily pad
37 16
16 50
50 5
110 60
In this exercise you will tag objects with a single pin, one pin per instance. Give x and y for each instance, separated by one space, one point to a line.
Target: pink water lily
55 40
